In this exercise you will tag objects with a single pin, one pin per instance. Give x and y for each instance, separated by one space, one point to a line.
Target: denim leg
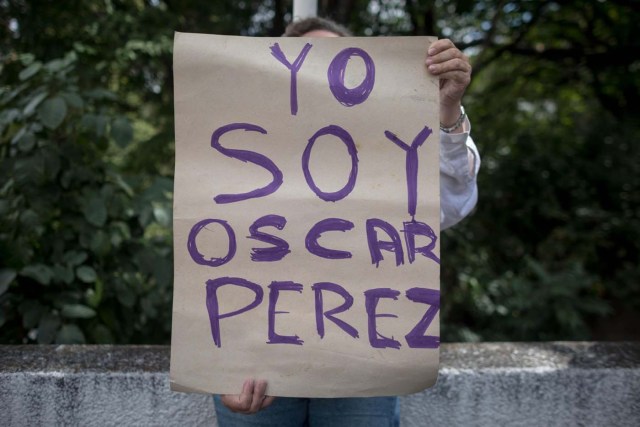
355 412
283 412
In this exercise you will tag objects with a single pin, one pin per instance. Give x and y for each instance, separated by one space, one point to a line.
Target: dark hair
303 26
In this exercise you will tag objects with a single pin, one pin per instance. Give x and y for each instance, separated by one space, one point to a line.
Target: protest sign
306 215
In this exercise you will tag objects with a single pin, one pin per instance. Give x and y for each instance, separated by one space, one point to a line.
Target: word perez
415 338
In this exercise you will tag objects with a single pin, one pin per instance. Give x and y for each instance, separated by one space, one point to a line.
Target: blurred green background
86 163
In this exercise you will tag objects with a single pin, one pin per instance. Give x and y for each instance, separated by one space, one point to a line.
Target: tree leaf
31 313
33 104
88 121
122 184
47 328
74 258
77 311
29 219
125 294
121 131
18 134
101 125
100 243
52 112
86 273
163 271
38 272
73 99
162 215
30 71
96 123
95 211
27 142
55 65
94 296
27 58
102 335
51 163
70 334
5 207
6 277
63 274
101 94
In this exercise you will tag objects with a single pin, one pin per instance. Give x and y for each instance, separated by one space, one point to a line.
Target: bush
84 248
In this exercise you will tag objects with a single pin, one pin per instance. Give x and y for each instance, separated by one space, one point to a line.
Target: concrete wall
544 384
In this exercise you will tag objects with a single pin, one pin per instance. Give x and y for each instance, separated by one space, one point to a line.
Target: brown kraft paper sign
306 216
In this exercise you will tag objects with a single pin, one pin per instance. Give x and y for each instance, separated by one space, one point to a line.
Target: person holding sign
459 165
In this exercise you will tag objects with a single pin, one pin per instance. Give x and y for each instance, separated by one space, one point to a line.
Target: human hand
251 400
446 61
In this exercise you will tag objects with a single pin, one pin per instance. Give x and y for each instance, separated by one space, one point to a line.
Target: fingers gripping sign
447 62
251 400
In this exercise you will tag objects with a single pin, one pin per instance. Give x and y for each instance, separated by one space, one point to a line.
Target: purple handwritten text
335 74
345 137
372 296
417 338
213 306
275 288
319 288
329 224
280 247
417 228
193 248
246 156
411 164
376 246
294 68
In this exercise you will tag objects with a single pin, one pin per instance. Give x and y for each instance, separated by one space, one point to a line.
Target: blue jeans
302 412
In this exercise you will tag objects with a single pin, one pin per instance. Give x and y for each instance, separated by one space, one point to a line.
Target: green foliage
554 243
85 247
86 152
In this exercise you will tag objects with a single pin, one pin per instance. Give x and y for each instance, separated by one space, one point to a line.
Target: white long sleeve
459 165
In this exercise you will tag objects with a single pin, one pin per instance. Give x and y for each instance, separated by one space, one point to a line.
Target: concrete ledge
515 384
